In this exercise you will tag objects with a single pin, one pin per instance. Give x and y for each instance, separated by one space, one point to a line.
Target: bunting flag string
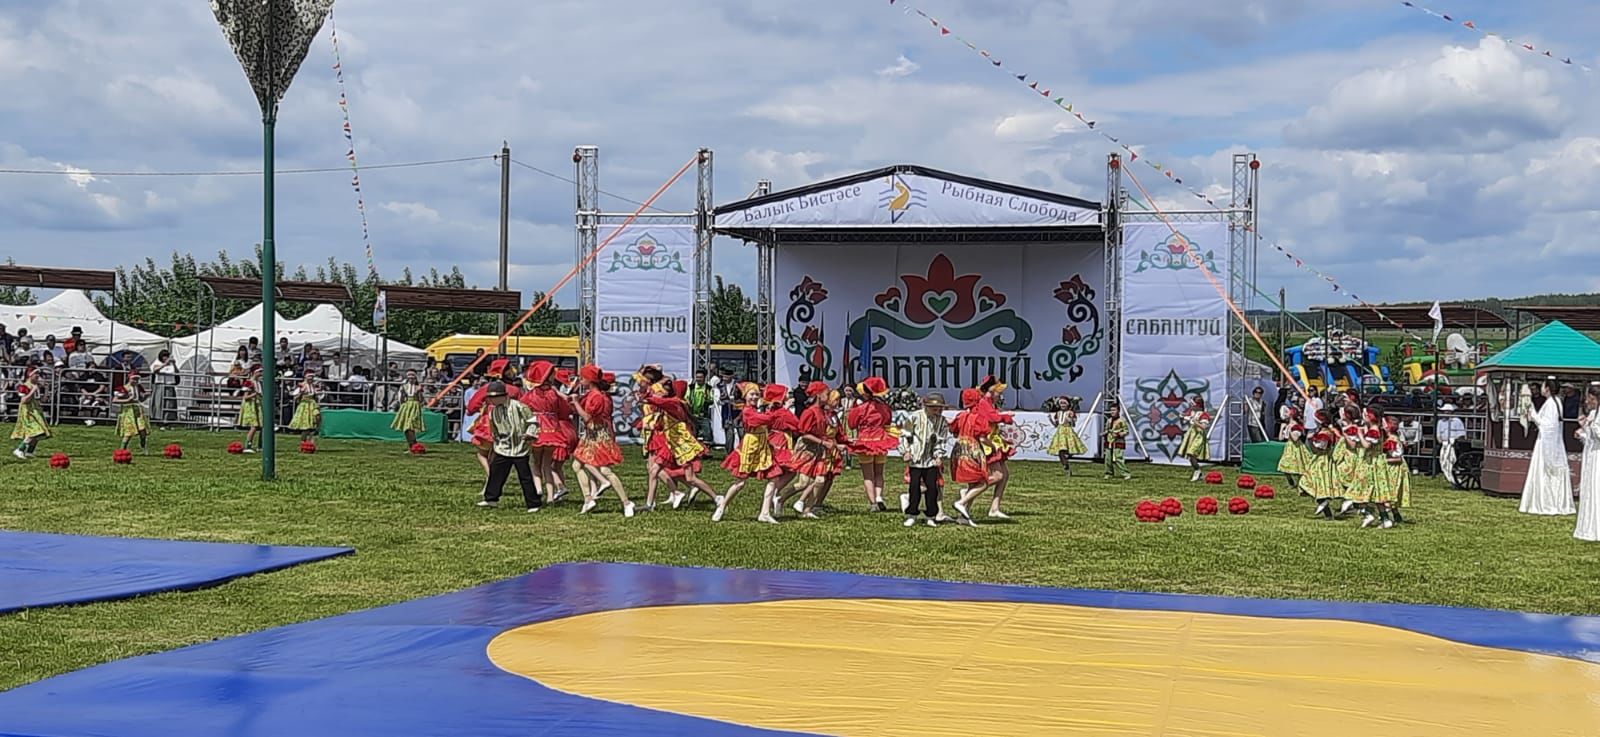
350 147
1507 40
1060 101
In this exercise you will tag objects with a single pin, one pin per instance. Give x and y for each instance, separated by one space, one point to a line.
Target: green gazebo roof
1554 346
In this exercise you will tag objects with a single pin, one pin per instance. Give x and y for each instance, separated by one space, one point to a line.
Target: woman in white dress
1548 488
1589 479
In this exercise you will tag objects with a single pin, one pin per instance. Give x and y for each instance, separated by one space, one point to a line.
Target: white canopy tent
324 327
73 308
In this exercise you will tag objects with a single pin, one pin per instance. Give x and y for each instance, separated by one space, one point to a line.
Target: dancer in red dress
755 447
597 449
973 459
817 456
871 420
552 411
673 446
785 429
1000 449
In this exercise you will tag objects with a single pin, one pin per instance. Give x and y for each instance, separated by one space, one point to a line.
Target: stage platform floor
613 649
40 569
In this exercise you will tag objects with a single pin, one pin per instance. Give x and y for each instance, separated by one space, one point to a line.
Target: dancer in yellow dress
1066 443
307 419
1292 464
132 419
1196 445
250 410
31 424
408 412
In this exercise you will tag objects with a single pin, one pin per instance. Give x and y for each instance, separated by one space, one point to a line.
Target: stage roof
909 198
1415 316
1578 317
47 277
230 287
1554 346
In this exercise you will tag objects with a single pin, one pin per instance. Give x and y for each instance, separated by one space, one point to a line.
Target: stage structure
941 279
647 298
1178 339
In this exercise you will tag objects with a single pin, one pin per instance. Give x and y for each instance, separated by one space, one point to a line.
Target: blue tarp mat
42 569
421 668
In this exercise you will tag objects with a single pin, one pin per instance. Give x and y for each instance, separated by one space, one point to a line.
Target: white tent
72 308
324 327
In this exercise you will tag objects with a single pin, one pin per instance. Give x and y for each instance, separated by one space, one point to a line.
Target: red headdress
774 394
591 373
538 372
874 387
970 398
817 389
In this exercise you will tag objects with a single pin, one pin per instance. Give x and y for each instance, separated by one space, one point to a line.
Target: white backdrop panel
1174 333
644 298
943 317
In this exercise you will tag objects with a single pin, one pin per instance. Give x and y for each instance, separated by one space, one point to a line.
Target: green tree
15 295
170 300
733 315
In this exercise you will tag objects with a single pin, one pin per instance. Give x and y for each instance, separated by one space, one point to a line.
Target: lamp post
271 38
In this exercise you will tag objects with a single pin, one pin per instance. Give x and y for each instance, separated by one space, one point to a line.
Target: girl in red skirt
597 449
757 459
973 457
785 429
552 411
1000 449
673 446
871 420
817 454
734 463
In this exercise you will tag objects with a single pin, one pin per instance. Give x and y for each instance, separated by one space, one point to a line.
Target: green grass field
416 533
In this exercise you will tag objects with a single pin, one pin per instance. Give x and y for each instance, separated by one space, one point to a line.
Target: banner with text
1174 333
644 299
940 319
909 200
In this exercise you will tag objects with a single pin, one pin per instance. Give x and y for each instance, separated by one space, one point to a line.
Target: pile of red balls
236 447
173 451
1214 477
60 460
1206 506
1238 505
418 449
122 456
1265 491
1171 507
1148 511
308 447
1247 482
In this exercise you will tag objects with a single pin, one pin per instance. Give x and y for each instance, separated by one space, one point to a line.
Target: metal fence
199 400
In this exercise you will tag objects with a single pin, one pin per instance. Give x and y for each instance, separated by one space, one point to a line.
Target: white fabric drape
1589 480
1548 488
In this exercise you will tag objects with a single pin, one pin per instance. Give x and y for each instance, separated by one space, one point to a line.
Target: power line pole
505 229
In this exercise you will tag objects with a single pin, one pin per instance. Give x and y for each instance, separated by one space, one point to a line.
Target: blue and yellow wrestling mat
606 649
43 569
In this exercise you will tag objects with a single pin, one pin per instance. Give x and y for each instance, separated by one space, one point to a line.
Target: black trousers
500 469
924 492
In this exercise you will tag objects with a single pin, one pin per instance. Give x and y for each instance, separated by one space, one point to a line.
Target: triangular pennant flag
1034 85
1471 25
1058 100
1022 77
944 31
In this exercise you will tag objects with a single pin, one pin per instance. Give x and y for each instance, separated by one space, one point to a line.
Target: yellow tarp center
869 667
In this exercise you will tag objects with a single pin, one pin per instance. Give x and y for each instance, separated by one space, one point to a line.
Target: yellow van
457 351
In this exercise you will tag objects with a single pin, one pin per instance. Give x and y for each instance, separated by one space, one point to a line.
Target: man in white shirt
1446 431
1313 406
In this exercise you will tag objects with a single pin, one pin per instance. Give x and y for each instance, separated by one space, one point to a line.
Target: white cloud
413 211
902 67
77 175
1485 98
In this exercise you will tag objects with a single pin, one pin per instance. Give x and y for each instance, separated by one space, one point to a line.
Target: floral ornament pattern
944 300
1159 405
1176 253
1083 335
646 254
271 40
802 339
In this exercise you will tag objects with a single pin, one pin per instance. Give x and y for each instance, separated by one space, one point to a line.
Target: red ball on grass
1247 482
122 456
1214 477
60 460
308 447
236 447
1238 505
1207 505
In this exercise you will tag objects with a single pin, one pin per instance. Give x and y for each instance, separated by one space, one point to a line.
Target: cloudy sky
1413 159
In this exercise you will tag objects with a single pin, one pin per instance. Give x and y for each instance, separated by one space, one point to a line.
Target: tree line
170 300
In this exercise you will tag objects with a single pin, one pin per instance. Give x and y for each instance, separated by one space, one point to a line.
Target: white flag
380 311
1438 319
